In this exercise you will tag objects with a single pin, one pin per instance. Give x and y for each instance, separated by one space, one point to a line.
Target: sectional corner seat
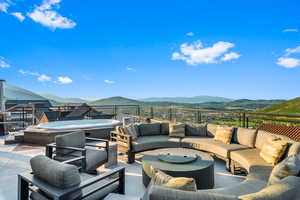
242 153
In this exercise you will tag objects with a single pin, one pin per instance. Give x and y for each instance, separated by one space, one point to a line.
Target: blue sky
136 49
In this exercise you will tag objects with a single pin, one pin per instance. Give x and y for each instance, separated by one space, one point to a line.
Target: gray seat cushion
287 189
154 142
211 145
164 128
262 138
245 136
94 158
195 130
259 172
248 158
149 129
211 130
75 139
162 193
56 174
246 187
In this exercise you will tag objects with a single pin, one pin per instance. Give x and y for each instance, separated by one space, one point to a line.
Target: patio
14 159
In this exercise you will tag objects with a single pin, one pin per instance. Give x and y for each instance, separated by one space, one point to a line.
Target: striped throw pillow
273 150
224 134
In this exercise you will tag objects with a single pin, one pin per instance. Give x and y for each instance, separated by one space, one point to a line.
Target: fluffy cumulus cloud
44 78
290 51
196 53
290 30
109 81
3 63
18 15
64 80
230 56
288 61
39 77
46 15
4 7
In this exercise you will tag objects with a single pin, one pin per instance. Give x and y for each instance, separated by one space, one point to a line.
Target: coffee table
180 162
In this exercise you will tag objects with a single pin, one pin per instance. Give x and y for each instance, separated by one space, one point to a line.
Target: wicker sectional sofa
242 154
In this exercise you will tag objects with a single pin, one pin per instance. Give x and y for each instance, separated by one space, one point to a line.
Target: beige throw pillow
273 150
180 183
177 130
224 134
290 166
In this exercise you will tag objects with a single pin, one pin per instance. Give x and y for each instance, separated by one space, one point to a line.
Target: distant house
85 111
50 116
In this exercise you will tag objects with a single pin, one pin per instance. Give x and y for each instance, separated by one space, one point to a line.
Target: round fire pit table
180 162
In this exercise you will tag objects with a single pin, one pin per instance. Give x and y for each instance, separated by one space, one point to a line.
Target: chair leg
228 164
232 168
131 157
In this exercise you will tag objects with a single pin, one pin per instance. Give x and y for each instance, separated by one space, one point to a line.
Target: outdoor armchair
75 145
55 180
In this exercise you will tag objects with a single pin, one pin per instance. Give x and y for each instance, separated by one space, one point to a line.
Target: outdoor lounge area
156 161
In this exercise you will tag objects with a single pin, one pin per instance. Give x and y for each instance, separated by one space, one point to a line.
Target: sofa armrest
163 193
122 139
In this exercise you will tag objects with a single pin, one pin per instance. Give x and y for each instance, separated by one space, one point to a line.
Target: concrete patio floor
14 159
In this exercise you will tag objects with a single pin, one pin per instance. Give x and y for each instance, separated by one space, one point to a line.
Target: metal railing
21 118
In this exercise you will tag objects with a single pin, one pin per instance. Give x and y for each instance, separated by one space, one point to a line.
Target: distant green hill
116 101
59 100
196 99
242 104
12 92
291 107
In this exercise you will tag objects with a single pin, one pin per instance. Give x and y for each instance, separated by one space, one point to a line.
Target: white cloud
64 80
230 56
39 77
290 51
4 6
18 15
290 30
195 53
109 81
288 62
3 63
130 69
44 78
47 16
190 34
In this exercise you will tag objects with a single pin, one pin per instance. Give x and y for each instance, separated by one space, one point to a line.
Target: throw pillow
224 134
195 130
177 130
131 130
273 150
245 136
180 183
290 166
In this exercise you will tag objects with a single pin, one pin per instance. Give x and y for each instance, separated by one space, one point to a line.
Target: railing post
247 122
244 119
198 117
151 113
170 114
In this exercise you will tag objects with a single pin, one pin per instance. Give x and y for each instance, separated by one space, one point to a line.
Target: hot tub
45 133
74 125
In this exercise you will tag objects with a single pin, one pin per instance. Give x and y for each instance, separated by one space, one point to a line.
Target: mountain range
196 99
205 102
